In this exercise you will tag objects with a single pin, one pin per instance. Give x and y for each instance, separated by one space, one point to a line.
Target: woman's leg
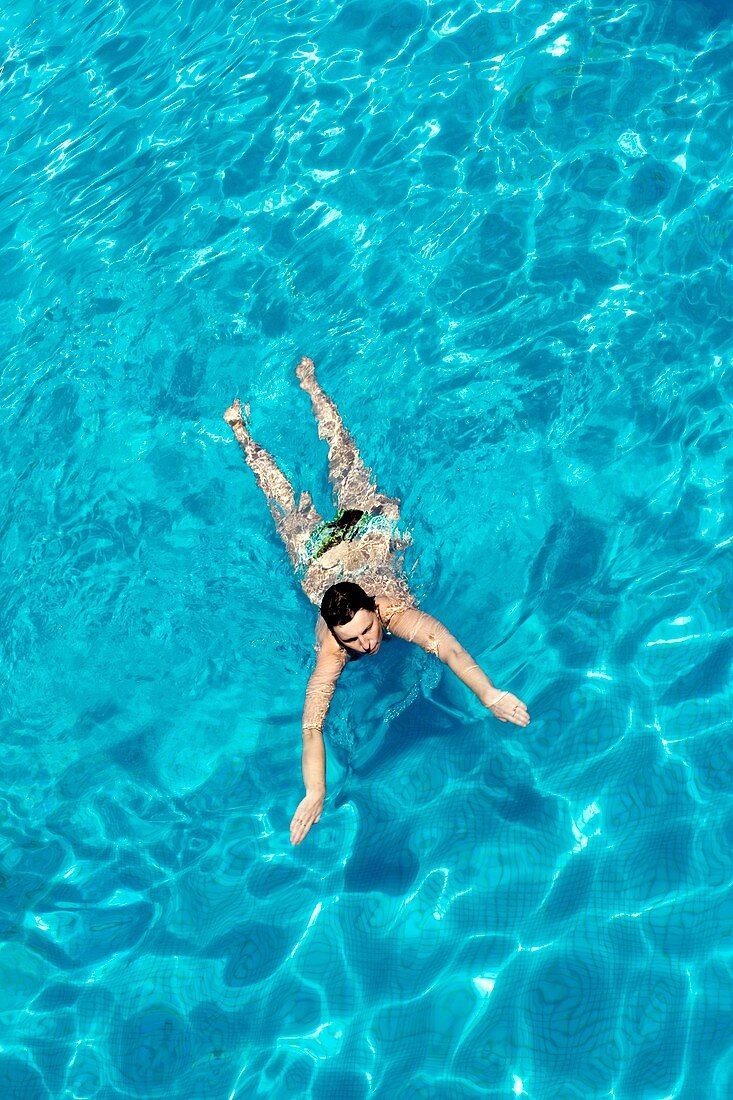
295 523
351 480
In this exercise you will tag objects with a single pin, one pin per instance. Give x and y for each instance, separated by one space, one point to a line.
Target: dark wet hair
342 601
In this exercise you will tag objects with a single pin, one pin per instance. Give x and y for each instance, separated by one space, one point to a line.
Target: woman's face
363 633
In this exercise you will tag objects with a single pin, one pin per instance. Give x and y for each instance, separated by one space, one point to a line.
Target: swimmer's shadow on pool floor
425 739
421 724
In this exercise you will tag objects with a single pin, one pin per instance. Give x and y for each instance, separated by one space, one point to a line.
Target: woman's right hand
308 813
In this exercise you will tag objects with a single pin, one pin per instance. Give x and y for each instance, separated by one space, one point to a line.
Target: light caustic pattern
504 232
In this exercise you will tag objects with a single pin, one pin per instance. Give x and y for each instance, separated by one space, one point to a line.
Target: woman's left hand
507 708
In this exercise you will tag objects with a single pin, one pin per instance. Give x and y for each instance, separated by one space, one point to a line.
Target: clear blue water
505 233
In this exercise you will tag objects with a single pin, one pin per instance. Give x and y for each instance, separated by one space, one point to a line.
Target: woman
351 568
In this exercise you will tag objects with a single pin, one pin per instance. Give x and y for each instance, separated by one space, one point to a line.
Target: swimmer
350 567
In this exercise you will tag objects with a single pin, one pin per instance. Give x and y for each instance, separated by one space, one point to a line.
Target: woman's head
351 616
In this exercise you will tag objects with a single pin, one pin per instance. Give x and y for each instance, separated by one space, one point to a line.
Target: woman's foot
233 414
305 370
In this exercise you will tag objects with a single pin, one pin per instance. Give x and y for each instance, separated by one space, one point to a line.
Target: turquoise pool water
505 233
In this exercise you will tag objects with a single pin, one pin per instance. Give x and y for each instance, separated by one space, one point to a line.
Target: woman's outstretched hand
308 814
507 708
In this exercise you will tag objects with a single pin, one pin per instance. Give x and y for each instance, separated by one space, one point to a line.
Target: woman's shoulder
326 644
390 604
323 634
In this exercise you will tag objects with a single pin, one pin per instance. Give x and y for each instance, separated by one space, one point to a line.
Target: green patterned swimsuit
348 526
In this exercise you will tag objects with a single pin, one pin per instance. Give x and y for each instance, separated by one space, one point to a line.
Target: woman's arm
318 695
430 634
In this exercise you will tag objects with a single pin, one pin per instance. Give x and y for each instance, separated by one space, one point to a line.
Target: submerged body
371 560
351 568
